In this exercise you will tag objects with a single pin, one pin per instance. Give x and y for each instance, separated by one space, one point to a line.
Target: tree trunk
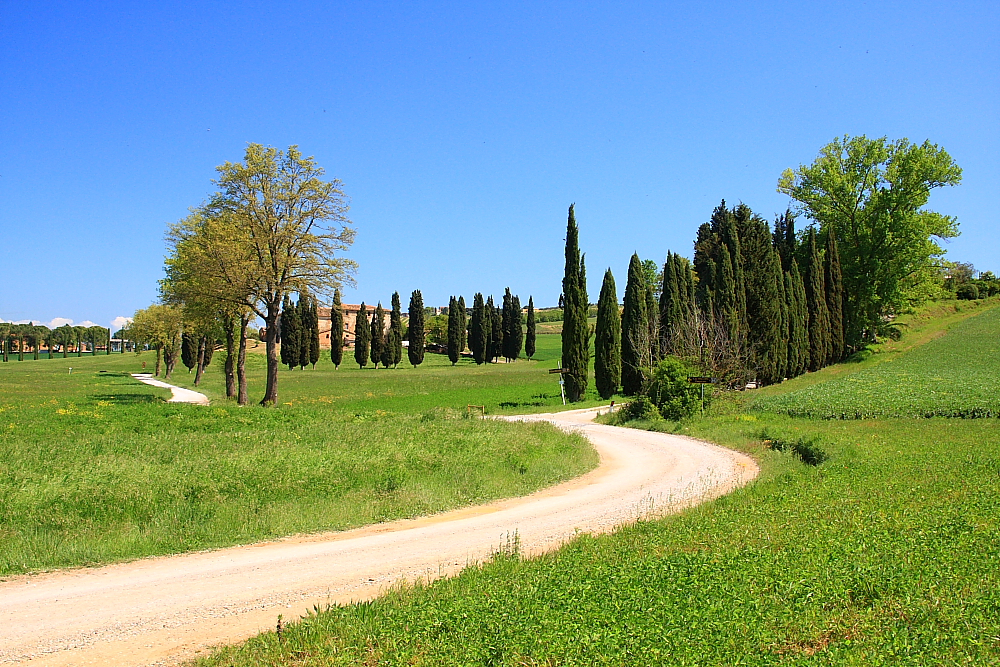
271 323
159 353
201 360
241 363
230 358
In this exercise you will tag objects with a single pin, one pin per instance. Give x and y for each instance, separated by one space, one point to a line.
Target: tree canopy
872 193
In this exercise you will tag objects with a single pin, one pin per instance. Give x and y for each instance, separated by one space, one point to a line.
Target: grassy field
887 553
95 467
524 386
953 376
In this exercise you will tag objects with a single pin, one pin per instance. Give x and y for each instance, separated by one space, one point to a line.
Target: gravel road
168 609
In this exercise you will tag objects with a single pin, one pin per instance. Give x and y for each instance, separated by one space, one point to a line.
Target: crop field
95 467
885 553
956 375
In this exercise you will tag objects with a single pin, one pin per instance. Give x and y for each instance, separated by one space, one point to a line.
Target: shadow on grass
126 398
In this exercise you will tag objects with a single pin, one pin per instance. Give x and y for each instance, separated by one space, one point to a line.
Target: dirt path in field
164 610
179 394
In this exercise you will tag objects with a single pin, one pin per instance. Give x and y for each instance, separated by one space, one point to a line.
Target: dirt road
163 610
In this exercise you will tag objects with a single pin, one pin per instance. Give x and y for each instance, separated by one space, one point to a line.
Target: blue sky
462 133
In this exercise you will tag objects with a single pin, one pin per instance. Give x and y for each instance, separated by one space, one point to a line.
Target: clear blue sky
462 134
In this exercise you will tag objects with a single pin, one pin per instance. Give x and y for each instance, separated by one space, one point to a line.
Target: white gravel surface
178 394
164 610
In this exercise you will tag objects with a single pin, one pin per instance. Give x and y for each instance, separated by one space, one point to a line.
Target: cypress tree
633 328
819 322
454 333
705 267
396 331
336 330
783 238
670 304
377 340
188 351
313 332
798 317
507 325
478 329
362 337
529 337
764 285
494 342
834 296
463 325
608 340
517 329
575 332
289 325
781 360
725 298
415 335
209 351
305 329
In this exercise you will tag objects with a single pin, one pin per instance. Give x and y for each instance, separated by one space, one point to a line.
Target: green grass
884 554
95 467
521 387
952 376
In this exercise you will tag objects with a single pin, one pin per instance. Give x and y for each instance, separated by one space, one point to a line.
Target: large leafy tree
608 340
210 274
291 226
415 333
576 331
159 326
872 193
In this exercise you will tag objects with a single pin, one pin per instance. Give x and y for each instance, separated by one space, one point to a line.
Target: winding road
167 609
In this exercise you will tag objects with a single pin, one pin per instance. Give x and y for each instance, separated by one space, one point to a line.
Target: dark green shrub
668 388
640 408
968 292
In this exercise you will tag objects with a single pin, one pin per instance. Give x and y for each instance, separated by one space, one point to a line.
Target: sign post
562 382
702 380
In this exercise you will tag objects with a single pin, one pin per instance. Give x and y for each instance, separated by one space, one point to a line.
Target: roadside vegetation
96 468
863 542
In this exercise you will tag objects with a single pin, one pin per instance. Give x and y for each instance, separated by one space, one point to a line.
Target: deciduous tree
872 193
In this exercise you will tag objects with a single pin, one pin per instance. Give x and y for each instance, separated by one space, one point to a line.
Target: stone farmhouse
350 315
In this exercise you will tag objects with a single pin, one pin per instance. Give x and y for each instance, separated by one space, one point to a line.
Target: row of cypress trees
498 331
374 341
299 332
755 304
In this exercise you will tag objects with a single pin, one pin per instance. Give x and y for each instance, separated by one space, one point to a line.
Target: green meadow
96 467
885 553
